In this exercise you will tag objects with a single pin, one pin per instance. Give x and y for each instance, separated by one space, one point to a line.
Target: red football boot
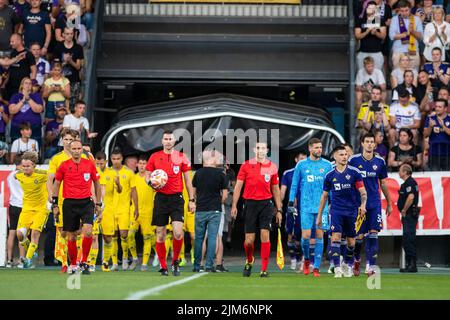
306 267
356 271
316 273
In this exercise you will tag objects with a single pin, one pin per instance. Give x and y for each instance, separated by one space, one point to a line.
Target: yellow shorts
145 222
121 221
33 219
107 223
189 222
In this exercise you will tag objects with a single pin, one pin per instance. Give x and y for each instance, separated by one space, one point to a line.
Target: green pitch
47 283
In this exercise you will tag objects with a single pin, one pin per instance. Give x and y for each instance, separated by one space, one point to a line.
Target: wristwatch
191 200
100 204
279 210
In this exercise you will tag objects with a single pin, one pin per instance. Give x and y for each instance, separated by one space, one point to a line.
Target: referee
260 177
78 175
169 202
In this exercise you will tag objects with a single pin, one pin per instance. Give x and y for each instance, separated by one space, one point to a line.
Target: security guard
407 205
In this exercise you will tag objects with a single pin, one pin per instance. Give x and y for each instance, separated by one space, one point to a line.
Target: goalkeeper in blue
309 175
347 194
374 172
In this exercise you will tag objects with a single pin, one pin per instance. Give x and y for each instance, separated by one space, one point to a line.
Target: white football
158 179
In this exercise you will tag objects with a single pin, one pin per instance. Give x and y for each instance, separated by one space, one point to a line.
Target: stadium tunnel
209 118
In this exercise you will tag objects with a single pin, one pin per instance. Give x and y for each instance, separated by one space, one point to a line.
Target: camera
375 106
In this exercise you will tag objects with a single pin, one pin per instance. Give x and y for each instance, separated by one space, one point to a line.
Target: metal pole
351 89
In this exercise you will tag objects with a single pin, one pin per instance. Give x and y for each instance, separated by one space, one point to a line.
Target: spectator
438 71
405 152
26 106
24 143
407 85
397 75
68 20
53 130
366 78
381 148
4 119
378 121
25 67
424 91
71 56
10 24
76 121
3 152
436 35
36 27
42 65
20 7
403 114
370 31
368 109
87 16
424 10
405 31
56 90
437 128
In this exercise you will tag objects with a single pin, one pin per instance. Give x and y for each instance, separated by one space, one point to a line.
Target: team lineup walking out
88 199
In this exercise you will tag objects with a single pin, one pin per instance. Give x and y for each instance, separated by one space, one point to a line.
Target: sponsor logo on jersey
310 178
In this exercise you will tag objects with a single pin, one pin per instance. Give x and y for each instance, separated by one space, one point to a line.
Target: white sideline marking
141 294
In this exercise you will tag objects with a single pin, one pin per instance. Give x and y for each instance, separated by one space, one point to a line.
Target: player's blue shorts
308 221
344 223
293 226
373 220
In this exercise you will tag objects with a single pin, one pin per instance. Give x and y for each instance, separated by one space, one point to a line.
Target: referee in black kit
407 205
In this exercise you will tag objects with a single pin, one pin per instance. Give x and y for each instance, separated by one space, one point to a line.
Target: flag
60 250
280 254
359 221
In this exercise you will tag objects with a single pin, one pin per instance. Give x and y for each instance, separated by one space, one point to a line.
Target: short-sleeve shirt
26 114
365 107
18 146
404 115
53 127
121 201
145 194
439 140
370 43
77 54
72 122
174 164
57 96
22 68
343 189
34 27
77 178
8 19
209 183
410 186
376 78
34 189
372 171
402 155
258 179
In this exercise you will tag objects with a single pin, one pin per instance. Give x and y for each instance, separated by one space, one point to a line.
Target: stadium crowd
402 81
42 64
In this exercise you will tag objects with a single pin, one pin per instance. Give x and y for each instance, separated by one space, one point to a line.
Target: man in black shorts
169 200
260 176
78 174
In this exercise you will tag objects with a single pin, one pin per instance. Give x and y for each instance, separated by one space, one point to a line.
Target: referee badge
176 169
267 177
87 176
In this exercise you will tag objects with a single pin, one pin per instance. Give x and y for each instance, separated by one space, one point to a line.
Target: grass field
48 283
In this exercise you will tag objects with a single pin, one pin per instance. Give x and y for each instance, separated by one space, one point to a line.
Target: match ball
158 179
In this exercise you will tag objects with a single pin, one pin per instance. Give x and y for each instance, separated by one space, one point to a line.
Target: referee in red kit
77 174
169 200
259 176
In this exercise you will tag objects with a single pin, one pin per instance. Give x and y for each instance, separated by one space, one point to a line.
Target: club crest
347 177
267 177
176 169
87 176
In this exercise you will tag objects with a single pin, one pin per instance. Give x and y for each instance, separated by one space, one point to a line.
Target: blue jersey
286 180
309 176
372 172
343 190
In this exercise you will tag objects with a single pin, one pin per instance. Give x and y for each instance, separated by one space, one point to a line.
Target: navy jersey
372 171
343 190
286 180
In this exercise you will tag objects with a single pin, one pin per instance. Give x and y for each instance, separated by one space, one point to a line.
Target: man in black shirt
26 67
211 190
407 205
9 23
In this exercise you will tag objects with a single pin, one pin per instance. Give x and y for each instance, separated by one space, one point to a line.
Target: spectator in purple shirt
4 119
26 106
53 130
381 148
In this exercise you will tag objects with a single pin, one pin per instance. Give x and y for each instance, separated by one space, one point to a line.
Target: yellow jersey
107 180
365 108
34 189
122 201
145 194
